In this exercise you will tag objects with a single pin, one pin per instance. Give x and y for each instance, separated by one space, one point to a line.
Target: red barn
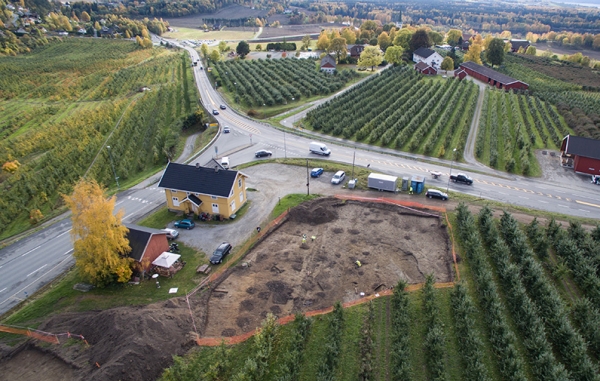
146 244
492 77
581 154
423 68
460 73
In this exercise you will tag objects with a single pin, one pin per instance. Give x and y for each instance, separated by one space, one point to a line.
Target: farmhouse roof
516 44
421 66
490 73
423 52
139 238
197 179
580 146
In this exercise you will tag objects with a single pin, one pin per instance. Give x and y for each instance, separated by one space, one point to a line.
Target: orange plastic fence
43 336
408 204
215 341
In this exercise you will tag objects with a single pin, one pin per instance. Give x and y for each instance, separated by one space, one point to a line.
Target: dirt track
287 276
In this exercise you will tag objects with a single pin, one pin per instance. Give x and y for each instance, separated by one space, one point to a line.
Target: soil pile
315 213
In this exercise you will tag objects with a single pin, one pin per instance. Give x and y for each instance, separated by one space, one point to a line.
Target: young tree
222 47
403 38
215 56
85 17
419 40
453 37
474 53
339 47
99 243
306 42
371 56
384 41
349 35
435 37
495 52
393 55
531 50
204 50
323 41
242 49
447 64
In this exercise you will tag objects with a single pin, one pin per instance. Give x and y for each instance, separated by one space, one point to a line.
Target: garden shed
581 154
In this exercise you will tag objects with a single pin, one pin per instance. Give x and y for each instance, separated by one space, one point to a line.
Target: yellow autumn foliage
99 237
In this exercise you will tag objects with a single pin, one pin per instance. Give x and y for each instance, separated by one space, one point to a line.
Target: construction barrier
215 341
40 335
414 207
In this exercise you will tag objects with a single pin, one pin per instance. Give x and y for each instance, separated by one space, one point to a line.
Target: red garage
581 154
492 77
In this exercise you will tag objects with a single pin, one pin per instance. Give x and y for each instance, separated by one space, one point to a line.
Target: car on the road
434 193
185 224
220 253
222 107
226 130
316 172
338 177
171 233
263 153
215 112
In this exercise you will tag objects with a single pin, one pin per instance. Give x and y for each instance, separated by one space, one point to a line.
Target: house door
215 208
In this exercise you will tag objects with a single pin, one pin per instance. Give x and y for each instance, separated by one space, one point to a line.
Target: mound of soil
315 213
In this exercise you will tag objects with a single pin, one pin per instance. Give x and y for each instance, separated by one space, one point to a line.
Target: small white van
225 162
319 149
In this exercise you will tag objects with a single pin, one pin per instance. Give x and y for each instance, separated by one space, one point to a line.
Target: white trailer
382 182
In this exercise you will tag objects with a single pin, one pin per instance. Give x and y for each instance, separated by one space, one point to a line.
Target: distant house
81 31
328 64
146 244
460 73
515 45
492 77
355 50
196 189
465 45
581 154
63 33
430 57
21 32
423 68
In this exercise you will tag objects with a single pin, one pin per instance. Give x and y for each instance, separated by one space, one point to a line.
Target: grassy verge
60 296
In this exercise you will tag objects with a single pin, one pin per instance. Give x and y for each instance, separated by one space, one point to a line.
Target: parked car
222 107
338 177
171 233
226 130
434 193
316 172
263 153
215 112
220 253
185 224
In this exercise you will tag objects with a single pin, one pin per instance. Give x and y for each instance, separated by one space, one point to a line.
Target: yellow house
196 189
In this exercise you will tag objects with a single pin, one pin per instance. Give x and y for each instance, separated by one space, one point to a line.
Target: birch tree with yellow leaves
99 236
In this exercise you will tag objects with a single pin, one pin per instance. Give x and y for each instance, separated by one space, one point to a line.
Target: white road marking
67 252
35 248
33 272
526 198
564 206
544 202
3 289
61 234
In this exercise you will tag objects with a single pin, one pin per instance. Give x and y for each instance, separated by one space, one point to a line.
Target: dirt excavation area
283 275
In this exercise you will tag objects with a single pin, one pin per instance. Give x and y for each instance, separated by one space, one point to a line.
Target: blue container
418 184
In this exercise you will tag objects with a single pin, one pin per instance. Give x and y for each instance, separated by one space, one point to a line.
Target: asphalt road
32 262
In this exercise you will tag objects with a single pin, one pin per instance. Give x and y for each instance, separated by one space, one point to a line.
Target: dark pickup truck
462 178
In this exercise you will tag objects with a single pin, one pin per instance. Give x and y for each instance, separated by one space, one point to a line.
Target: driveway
272 182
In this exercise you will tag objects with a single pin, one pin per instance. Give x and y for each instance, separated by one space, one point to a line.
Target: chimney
197 165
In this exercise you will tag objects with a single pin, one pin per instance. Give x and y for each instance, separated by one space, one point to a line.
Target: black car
263 153
220 253
434 193
215 112
222 107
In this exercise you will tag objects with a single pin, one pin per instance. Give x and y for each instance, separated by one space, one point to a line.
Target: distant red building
423 68
460 73
492 77
581 154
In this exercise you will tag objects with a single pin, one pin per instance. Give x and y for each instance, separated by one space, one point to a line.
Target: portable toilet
418 184
405 183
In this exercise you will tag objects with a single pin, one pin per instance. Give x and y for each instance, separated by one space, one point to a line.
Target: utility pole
307 180
113 167
353 158
451 163
284 147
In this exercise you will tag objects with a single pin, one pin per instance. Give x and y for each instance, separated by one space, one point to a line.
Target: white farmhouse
430 57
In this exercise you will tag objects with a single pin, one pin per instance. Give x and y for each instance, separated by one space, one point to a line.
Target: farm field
257 83
506 319
512 126
226 34
56 123
403 110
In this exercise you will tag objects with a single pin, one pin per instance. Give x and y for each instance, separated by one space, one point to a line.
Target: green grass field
199 34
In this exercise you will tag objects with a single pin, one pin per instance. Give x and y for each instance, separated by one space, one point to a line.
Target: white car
226 130
338 177
171 233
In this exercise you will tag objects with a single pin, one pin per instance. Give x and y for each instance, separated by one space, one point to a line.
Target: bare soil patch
287 275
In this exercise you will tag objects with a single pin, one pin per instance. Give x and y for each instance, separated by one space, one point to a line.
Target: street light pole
284 147
113 167
307 180
451 163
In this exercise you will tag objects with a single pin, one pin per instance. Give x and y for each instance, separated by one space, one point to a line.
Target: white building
430 57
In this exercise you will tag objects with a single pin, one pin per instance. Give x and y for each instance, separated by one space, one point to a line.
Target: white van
319 148
225 162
